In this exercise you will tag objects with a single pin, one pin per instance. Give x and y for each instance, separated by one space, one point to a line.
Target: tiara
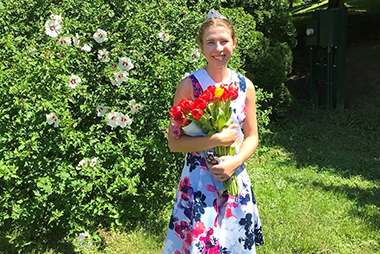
214 14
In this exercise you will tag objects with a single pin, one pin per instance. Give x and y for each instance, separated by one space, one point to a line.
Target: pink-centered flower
125 64
163 36
122 120
103 56
101 110
195 54
111 117
100 36
84 239
52 28
74 81
64 41
120 77
135 107
52 119
176 129
81 164
56 18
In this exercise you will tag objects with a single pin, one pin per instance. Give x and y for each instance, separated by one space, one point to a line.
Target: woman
204 219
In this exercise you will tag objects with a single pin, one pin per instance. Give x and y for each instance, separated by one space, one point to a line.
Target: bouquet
211 111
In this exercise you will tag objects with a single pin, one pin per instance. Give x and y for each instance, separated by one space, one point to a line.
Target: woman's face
217 45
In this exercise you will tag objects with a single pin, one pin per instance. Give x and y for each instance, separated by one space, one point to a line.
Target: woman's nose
219 46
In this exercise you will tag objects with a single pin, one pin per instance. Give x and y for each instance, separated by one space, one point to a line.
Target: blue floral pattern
203 219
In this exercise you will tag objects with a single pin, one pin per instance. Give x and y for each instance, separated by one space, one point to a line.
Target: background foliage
41 192
269 59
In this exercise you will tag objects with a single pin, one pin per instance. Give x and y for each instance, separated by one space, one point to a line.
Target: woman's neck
218 75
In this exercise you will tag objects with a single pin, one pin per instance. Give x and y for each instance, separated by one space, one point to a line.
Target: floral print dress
203 219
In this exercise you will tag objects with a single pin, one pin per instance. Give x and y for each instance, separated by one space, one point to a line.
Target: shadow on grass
362 197
343 144
346 144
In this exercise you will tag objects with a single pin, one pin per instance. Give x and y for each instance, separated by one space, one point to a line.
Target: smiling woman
206 217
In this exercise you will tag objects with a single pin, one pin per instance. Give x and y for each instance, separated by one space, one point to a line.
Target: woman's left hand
225 169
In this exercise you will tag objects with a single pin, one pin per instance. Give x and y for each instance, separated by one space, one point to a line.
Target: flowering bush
86 90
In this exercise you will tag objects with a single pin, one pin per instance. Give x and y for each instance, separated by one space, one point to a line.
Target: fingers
232 126
218 173
222 178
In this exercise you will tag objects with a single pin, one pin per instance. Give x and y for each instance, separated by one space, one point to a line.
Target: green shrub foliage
269 61
66 168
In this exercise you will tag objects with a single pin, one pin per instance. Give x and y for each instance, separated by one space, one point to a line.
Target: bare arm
191 144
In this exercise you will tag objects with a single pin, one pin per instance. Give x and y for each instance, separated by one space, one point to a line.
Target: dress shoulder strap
196 86
242 83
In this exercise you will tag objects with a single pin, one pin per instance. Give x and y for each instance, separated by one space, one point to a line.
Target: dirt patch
362 59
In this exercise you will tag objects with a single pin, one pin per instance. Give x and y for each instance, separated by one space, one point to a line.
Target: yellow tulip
219 92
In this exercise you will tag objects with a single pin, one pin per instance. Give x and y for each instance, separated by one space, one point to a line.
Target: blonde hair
215 22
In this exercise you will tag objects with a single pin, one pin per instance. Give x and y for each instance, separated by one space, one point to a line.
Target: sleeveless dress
203 219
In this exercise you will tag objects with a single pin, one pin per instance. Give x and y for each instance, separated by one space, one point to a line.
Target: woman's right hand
227 136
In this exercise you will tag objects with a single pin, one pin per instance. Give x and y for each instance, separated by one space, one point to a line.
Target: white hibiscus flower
100 36
74 81
64 41
52 28
111 117
135 107
56 18
163 36
103 56
76 40
82 163
52 119
122 120
120 77
84 239
101 110
195 54
86 48
125 64
94 161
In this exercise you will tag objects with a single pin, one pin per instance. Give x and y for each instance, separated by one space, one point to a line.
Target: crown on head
214 14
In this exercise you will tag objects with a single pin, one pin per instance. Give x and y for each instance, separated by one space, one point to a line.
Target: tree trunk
335 4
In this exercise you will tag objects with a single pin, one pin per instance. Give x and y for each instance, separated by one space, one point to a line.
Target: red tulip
208 96
197 113
186 105
199 103
178 115
233 91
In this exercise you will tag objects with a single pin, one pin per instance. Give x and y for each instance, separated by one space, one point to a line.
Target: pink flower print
229 213
199 229
211 188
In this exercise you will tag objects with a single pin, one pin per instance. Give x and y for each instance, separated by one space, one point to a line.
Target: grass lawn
318 181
